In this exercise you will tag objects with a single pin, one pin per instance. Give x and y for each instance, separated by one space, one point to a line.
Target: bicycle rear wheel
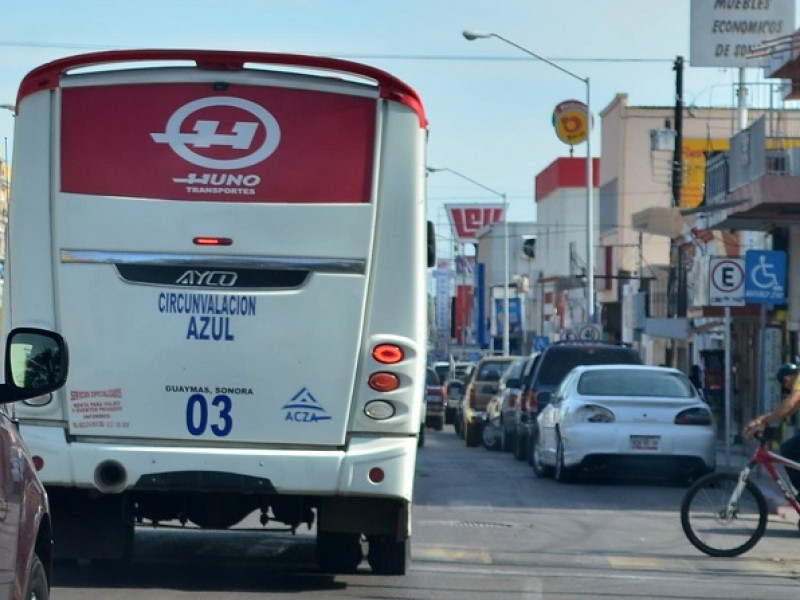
707 522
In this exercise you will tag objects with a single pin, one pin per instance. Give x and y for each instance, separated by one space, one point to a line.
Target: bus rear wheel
388 556
339 552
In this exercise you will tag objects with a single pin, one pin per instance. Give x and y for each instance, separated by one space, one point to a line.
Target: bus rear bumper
368 467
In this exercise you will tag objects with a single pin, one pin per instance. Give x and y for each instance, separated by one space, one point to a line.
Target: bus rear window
243 144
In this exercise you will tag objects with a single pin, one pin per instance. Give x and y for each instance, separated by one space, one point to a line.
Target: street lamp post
506 276
590 304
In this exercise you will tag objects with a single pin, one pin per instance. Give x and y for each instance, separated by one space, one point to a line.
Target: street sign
766 277
726 281
589 332
540 342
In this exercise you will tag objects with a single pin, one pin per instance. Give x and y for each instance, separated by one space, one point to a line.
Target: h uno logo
205 134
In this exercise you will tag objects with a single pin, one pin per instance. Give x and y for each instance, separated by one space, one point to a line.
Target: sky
489 104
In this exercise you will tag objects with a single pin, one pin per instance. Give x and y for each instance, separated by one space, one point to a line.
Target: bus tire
387 556
472 435
339 552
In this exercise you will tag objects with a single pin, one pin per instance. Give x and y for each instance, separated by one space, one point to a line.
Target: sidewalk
739 455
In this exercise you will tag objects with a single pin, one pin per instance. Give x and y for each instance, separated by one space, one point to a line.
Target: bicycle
725 514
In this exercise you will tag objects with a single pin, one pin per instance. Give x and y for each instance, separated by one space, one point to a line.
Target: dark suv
550 367
36 364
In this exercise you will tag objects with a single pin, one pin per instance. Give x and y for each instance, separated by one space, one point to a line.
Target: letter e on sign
726 281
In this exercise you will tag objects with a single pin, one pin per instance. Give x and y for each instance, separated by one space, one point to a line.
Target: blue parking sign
765 277
540 342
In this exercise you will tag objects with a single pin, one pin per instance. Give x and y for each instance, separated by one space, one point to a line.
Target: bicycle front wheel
714 529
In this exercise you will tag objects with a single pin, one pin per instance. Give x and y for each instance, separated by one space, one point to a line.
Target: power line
430 57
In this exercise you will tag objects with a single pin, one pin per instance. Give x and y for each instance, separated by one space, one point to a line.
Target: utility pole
677 156
677 184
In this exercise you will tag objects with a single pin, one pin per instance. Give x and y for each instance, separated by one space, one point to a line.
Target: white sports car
649 418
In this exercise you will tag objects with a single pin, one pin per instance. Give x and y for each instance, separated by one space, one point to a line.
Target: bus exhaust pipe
110 477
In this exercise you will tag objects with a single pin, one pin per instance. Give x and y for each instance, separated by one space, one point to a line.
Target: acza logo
205 133
304 408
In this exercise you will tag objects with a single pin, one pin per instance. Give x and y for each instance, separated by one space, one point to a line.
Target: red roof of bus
48 76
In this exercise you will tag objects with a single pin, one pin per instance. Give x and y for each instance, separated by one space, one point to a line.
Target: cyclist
787 376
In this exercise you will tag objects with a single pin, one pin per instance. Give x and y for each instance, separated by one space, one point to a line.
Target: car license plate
648 443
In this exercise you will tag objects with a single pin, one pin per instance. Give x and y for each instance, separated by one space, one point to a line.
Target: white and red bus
235 247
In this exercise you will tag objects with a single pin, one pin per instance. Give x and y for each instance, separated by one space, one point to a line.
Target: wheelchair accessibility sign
765 277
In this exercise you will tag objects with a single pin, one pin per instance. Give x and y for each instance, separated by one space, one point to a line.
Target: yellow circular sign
571 121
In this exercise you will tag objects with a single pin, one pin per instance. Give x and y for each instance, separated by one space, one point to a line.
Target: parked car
442 369
434 400
481 387
650 418
454 391
495 434
36 364
553 364
458 418
514 411
449 370
453 375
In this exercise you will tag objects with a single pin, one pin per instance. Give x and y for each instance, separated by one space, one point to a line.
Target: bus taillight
383 381
388 354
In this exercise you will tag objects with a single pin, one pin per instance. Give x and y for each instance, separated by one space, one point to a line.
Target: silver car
499 422
651 419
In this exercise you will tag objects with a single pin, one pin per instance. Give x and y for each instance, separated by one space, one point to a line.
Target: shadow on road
190 560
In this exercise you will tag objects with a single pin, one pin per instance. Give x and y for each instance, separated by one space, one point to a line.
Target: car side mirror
36 363
431 245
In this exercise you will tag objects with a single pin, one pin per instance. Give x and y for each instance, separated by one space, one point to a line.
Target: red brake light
212 241
533 404
435 390
383 381
512 400
694 416
388 354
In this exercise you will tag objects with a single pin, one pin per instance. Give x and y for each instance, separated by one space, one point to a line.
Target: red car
36 364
